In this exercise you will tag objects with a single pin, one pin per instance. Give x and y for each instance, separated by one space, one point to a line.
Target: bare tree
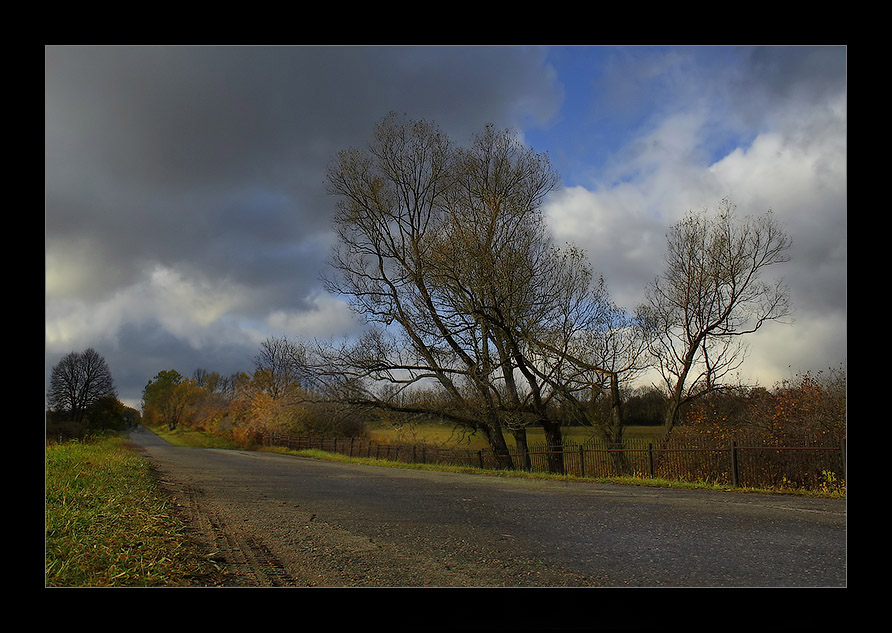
78 381
577 351
603 350
712 294
492 258
280 366
210 381
447 251
546 326
390 212
435 242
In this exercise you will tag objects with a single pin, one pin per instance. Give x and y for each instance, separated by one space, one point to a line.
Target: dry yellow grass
447 437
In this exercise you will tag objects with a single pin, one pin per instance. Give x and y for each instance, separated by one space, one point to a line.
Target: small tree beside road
167 398
710 295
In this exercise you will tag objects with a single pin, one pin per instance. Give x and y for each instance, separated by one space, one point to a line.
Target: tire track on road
247 559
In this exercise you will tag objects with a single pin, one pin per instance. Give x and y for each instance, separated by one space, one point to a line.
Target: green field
446 436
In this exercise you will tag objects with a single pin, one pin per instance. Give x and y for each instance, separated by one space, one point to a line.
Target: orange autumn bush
810 406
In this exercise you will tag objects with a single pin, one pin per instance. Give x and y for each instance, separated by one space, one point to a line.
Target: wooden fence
749 462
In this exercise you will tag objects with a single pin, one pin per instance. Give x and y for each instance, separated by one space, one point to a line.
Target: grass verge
108 524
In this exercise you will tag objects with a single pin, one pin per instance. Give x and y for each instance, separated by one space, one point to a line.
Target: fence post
581 461
735 475
843 449
480 458
650 460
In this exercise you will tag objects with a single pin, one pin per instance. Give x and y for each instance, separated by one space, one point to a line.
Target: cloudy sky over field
187 220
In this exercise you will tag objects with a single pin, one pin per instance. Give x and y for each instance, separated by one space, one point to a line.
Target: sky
186 217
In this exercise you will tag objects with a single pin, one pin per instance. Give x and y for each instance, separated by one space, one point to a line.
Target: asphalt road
285 521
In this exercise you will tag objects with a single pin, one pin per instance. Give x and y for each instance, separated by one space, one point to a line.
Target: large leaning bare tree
392 217
445 251
711 294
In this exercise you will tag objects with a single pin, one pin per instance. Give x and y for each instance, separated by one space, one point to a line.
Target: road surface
277 520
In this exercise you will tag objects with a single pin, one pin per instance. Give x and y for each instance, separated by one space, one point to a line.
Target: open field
445 436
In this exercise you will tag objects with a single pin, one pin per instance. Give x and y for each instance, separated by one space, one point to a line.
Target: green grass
109 525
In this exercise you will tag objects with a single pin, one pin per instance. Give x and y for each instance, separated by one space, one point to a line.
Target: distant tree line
277 396
243 406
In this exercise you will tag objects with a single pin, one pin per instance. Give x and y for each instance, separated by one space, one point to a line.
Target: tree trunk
554 446
499 447
671 417
520 440
615 430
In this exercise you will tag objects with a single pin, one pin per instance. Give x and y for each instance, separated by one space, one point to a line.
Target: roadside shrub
59 428
811 405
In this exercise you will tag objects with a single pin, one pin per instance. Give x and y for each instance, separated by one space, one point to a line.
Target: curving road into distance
279 520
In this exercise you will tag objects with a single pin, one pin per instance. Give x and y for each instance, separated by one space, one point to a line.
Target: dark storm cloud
211 161
165 153
176 117
807 72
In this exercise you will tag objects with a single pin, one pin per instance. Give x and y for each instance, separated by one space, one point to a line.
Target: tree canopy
79 381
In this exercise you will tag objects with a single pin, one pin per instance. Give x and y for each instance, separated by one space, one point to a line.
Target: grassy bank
109 525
